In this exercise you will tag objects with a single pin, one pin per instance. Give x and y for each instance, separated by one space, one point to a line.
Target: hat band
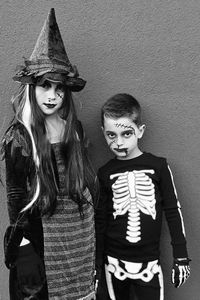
47 64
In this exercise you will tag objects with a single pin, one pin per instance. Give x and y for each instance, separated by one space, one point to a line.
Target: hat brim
72 83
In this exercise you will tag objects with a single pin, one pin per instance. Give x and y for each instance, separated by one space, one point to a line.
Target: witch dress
69 244
65 241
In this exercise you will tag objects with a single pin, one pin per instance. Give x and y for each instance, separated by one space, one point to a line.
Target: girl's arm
17 162
17 167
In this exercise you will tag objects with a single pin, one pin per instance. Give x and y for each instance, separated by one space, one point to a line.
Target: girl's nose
52 94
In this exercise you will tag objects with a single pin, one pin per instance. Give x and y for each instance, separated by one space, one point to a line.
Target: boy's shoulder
107 166
154 157
147 159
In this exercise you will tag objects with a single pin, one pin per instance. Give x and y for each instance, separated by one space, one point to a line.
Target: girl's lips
48 105
121 150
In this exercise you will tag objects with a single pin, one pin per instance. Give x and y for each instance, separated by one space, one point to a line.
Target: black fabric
30 271
20 173
129 289
111 232
102 290
12 239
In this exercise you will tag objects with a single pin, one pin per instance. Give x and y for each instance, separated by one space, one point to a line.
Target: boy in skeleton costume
135 187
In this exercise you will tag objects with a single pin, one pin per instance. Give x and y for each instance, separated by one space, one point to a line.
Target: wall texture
149 48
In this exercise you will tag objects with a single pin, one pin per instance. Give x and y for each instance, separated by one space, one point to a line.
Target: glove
30 270
98 272
12 240
180 271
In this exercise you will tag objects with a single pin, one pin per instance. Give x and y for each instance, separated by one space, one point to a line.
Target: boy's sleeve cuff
180 251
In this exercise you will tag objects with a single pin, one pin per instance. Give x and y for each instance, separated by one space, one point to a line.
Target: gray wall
149 48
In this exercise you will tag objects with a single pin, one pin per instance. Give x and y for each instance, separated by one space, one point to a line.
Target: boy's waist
133 252
132 270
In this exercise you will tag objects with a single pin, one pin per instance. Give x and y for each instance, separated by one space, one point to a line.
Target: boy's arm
100 222
172 209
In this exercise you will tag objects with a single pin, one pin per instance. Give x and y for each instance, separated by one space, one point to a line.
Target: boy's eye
127 134
111 135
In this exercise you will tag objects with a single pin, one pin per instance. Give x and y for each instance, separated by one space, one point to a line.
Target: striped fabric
69 245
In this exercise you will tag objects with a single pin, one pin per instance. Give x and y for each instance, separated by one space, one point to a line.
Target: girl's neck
55 127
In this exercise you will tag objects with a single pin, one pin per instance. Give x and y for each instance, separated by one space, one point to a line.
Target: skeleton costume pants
145 278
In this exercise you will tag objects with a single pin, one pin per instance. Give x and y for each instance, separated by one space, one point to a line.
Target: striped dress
69 246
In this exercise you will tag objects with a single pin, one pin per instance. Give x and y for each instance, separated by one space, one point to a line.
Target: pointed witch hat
49 59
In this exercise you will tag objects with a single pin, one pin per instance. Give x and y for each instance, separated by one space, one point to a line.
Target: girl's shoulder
16 136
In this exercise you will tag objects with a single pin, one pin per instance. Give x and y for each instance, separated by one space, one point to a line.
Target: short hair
122 105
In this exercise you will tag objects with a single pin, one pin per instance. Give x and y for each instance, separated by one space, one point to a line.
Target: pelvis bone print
133 192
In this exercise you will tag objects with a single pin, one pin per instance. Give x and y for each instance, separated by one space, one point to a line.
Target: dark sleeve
172 209
17 163
101 219
16 181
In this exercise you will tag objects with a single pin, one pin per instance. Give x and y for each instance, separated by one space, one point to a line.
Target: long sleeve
16 182
17 162
101 220
172 209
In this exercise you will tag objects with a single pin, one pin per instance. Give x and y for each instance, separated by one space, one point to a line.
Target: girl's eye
60 88
45 85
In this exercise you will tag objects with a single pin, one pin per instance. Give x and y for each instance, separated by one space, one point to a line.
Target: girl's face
49 97
122 136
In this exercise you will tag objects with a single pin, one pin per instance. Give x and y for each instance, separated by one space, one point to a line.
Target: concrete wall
149 48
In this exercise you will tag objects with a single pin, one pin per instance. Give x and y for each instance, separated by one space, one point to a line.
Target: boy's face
122 136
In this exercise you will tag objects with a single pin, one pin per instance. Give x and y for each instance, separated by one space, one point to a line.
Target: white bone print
133 192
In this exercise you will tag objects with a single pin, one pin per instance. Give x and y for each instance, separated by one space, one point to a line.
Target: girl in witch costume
49 244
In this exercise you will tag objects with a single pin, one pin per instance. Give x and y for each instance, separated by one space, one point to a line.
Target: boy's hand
180 271
97 276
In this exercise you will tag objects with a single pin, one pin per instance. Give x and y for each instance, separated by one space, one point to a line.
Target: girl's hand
30 270
180 271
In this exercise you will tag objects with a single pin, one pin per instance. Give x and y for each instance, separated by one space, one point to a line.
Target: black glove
12 240
98 272
180 271
30 270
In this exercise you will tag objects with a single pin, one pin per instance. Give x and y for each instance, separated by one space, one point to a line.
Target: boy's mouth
121 150
48 105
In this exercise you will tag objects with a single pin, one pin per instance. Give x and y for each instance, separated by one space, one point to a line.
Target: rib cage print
133 193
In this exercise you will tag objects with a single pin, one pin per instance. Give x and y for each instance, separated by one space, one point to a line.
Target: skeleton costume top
133 194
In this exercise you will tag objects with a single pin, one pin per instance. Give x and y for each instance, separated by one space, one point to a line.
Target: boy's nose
119 141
